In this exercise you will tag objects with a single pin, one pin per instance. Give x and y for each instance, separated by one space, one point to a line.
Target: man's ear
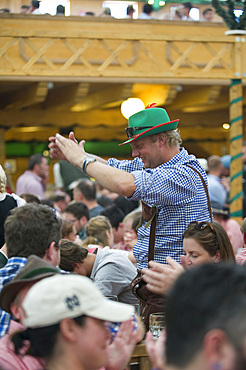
15 310
51 253
76 267
218 350
69 329
161 139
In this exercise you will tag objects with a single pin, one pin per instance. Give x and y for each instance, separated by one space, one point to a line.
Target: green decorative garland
228 15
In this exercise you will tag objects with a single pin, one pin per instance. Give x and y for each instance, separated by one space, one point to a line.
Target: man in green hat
160 175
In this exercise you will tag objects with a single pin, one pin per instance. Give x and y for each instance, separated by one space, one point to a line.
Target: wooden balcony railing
74 47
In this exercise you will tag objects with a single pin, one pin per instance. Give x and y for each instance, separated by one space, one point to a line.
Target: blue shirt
180 196
7 273
217 191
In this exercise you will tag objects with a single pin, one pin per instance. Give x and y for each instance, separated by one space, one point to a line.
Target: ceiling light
226 126
131 106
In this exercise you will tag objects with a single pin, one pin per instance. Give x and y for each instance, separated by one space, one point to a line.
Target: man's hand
67 149
155 349
159 277
55 151
120 350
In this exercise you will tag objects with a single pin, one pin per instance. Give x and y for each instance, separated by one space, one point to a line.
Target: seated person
68 231
66 319
11 298
205 325
131 222
99 233
241 255
78 214
230 225
111 271
203 242
115 216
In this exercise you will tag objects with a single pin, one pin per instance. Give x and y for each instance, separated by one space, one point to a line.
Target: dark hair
30 230
35 4
35 158
30 198
70 254
47 202
207 10
126 205
60 9
206 297
78 209
129 9
58 198
42 340
187 5
25 6
114 214
87 188
147 8
212 239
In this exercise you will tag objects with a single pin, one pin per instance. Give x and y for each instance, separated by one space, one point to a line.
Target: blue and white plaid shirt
7 273
178 193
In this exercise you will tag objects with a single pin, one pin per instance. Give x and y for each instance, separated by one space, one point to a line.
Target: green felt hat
148 122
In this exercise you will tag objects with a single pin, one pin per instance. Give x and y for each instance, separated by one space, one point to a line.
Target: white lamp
131 106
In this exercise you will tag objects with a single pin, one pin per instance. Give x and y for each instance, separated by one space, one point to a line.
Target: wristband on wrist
86 161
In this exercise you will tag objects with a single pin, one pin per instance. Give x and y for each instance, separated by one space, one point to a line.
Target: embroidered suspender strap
206 190
149 214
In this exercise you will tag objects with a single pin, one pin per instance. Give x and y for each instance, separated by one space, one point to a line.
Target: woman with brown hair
203 242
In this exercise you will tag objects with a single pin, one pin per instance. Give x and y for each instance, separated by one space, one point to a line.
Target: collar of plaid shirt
7 273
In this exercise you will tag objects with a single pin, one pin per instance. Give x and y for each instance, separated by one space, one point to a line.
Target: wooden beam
197 97
66 96
24 97
99 98
97 117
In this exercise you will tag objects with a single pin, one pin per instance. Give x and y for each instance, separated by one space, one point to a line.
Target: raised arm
111 178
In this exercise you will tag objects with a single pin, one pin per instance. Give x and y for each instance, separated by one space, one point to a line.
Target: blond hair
3 180
172 138
96 231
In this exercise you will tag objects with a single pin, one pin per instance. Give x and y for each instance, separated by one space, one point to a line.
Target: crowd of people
68 258
180 13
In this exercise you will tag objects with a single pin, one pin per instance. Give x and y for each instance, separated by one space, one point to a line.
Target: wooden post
236 135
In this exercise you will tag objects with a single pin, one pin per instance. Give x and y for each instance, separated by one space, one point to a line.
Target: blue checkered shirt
115 326
7 273
178 193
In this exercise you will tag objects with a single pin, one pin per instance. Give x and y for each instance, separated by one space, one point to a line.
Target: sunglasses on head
202 225
129 130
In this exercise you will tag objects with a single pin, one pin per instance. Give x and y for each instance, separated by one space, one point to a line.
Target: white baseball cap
58 297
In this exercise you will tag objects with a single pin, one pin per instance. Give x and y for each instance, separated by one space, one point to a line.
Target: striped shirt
180 196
